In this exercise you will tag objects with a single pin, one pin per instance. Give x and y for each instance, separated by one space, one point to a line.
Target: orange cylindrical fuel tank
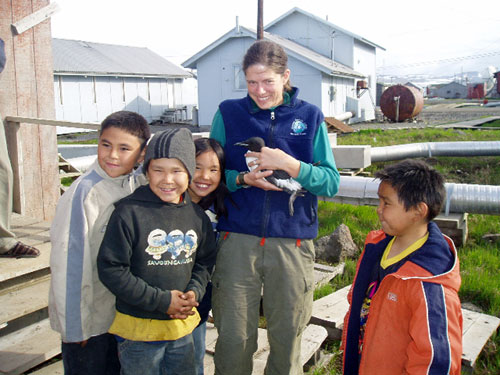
399 103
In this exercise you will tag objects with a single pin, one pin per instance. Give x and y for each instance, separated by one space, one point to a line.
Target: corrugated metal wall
91 99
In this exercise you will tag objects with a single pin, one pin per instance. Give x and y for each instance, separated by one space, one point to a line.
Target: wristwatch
240 179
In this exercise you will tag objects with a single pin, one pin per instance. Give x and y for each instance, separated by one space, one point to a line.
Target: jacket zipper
265 220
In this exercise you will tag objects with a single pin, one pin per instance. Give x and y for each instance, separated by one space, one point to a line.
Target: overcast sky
418 36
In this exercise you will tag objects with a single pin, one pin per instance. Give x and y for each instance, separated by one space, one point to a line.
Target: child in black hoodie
155 257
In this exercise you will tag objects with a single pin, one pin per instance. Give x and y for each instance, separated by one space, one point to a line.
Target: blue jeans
98 357
199 335
174 357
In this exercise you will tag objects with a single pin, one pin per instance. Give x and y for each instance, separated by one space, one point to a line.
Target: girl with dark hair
207 189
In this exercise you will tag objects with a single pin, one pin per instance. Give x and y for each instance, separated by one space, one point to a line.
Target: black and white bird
279 178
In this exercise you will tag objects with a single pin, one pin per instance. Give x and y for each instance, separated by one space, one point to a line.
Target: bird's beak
242 144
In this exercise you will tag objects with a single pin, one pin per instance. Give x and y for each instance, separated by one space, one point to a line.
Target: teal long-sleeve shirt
322 179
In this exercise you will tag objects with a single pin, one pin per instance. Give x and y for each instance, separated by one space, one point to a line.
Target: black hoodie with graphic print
152 247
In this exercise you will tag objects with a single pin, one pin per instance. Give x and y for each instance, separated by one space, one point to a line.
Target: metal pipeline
430 149
476 199
344 116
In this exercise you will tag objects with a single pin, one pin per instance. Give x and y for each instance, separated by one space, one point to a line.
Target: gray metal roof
87 58
293 49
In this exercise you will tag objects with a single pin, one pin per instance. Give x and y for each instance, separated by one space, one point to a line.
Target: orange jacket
415 319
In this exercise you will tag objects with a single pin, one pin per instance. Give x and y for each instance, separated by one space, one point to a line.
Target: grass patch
82 138
79 142
323 291
382 137
67 181
357 218
492 124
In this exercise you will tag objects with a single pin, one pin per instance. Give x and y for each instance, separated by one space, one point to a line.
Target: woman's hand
257 178
274 158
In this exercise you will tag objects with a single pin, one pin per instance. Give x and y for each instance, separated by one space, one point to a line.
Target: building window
149 91
240 82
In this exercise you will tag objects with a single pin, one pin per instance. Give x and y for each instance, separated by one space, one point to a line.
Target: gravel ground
431 115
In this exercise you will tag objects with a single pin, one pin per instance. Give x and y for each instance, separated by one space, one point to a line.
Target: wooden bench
330 310
312 339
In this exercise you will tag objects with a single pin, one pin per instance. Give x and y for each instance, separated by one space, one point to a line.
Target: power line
441 61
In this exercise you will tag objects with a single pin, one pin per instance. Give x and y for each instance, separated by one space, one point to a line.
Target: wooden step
477 329
29 230
330 310
312 339
66 170
28 347
55 368
32 232
323 273
24 299
66 165
12 267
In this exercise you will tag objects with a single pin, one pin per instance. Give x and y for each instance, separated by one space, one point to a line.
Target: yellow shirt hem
139 329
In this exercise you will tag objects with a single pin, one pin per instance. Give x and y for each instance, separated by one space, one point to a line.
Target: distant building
92 80
452 90
495 91
476 91
327 64
411 84
381 87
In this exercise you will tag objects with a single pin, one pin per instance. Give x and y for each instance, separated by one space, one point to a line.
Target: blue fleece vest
290 127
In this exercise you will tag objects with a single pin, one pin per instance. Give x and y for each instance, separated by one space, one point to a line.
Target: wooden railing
38 121
34 160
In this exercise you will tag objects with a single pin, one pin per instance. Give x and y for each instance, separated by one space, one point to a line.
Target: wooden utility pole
260 22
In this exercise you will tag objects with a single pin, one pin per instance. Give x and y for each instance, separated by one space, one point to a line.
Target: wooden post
27 89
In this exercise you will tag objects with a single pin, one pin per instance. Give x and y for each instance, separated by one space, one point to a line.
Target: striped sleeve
432 350
71 266
438 329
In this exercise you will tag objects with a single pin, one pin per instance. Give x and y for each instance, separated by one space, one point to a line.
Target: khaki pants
284 272
7 238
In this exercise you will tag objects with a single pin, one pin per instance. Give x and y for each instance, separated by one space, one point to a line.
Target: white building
311 43
92 80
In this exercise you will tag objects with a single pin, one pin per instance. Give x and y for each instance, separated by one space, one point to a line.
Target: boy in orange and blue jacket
405 315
